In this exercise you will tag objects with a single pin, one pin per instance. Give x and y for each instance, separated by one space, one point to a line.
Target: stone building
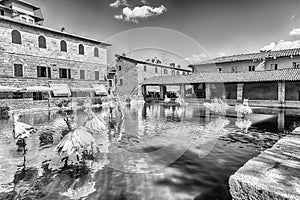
272 81
130 73
262 61
31 54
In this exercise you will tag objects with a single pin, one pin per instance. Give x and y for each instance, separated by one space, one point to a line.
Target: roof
149 63
253 56
35 7
53 30
256 76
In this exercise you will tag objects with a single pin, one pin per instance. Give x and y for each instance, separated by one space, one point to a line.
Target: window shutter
49 72
18 69
60 72
69 73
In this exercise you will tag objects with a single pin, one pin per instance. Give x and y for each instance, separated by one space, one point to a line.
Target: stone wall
129 75
30 55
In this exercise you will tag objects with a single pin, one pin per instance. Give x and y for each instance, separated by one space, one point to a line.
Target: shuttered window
43 71
82 74
42 42
18 70
16 37
63 46
64 73
97 77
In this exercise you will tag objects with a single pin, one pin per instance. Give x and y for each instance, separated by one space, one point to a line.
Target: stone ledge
274 174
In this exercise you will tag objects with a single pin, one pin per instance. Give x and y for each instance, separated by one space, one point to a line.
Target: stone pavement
274 174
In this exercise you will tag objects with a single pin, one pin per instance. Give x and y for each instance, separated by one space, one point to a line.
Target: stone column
182 91
162 91
143 90
240 88
281 92
207 91
280 120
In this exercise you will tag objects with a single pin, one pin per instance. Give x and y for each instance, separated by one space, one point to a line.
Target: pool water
156 153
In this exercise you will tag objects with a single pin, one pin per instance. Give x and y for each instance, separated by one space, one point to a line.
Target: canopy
100 89
8 89
86 89
38 89
60 90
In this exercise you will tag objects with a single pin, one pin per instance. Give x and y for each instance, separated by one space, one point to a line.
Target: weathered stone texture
274 174
30 55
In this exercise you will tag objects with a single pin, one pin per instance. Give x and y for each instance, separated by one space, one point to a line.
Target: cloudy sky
193 29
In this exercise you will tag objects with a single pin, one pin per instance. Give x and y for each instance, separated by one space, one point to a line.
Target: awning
60 90
85 89
37 89
100 89
8 88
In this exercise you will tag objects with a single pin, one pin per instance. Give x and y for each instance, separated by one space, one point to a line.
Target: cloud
197 58
143 12
118 3
295 32
282 44
118 16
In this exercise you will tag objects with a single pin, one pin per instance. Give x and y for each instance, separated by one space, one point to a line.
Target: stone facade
30 55
58 57
130 73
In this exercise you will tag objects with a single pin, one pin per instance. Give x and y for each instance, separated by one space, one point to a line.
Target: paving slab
274 174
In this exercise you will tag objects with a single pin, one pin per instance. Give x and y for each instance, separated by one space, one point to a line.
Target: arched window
16 37
63 46
81 49
96 52
42 42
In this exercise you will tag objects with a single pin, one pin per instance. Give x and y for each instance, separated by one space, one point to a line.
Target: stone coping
274 174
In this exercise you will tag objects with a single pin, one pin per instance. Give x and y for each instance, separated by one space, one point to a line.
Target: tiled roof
252 56
256 76
5 18
149 63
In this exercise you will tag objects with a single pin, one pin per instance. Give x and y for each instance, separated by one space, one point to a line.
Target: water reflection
152 152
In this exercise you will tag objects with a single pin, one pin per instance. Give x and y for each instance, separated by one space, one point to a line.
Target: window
219 69
178 73
183 73
23 19
173 72
40 96
97 77
2 12
81 49
296 65
42 42
18 95
18 70
30 21
274 66
165 71
145 68
119 68
16 37
82 74
251 68
63 46
156 70
121 82
96 52
234 69
64 73
43 71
